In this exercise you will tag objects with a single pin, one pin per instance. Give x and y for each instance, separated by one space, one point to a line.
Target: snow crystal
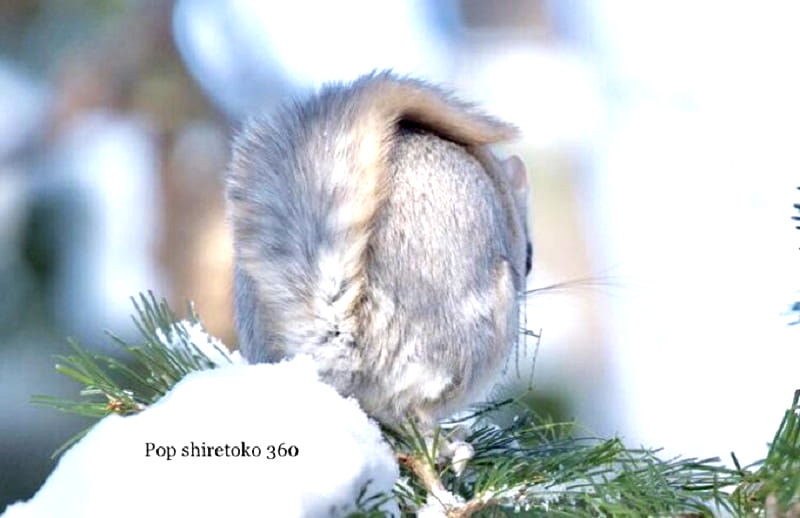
170 460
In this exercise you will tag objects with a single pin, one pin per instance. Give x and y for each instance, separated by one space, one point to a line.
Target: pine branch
539 467
777 477
531 466
111 386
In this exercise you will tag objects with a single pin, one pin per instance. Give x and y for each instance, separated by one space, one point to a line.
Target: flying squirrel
376 232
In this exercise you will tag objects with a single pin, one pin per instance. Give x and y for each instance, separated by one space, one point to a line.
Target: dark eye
528 259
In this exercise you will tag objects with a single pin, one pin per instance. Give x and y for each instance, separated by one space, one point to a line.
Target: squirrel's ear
517 176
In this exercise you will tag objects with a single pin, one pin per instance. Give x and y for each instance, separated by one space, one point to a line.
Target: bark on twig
429 478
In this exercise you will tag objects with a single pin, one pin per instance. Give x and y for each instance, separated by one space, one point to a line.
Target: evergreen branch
112 386
532 465
539 467
777 477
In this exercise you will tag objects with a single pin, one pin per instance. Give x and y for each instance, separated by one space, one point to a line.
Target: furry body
374 231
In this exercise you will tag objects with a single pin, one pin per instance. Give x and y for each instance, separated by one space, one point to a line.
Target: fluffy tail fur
304 189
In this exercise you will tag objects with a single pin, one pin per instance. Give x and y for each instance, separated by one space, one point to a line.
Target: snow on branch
241 441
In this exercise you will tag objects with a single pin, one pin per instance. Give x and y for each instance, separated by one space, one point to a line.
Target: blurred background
661 141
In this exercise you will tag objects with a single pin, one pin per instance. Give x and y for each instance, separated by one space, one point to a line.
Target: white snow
211 346
338 451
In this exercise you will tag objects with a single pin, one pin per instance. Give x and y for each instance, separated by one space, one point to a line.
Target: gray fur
397 265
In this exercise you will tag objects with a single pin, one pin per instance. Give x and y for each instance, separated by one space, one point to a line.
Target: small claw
462 453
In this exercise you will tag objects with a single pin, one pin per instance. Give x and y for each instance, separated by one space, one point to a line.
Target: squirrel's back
374 232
